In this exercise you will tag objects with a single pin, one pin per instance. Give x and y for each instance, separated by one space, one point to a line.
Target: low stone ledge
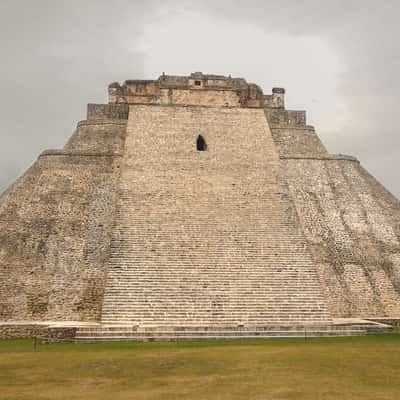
393 321
47 153
194 106
60 334
47 331
191 88
298 127
331 157
22 331
101 121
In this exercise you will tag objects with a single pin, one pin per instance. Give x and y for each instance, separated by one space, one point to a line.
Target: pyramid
195 204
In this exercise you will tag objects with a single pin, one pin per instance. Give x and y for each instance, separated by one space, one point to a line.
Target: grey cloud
364 35
56 57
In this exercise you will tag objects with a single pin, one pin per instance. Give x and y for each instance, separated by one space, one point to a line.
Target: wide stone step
120 333
145 338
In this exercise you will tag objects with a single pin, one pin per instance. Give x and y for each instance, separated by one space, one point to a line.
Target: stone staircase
130 333
205 238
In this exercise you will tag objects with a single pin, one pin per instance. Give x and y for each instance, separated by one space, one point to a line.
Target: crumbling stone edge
334 157
45 332
77 154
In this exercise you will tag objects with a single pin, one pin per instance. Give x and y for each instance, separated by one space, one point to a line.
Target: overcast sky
339 60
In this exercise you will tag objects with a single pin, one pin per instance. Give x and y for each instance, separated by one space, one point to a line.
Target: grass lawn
332 368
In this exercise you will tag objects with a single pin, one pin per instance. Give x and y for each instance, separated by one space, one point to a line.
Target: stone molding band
101 122
333 157
77 154
291 126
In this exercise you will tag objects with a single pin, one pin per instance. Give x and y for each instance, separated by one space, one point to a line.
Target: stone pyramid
197 201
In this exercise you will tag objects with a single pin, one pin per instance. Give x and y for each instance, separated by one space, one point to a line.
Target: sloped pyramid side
352 225
351 222
55 226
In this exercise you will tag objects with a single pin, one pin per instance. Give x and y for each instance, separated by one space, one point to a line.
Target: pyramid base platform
92 332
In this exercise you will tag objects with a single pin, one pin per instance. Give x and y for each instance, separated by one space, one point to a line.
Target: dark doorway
201 144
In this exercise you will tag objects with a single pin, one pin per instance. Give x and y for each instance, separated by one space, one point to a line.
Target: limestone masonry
195 207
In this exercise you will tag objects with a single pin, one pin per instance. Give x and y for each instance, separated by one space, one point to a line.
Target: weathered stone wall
297 141
286 117
292 136
196 89
44 331
200 97
97 136
22 331
59 334
352 225
55 224
103 132
107 111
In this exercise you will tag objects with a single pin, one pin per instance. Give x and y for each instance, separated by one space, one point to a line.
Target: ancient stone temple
191 207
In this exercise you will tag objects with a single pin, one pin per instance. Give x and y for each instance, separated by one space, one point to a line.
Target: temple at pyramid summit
192 207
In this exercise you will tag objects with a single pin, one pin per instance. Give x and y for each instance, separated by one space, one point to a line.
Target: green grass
333 368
